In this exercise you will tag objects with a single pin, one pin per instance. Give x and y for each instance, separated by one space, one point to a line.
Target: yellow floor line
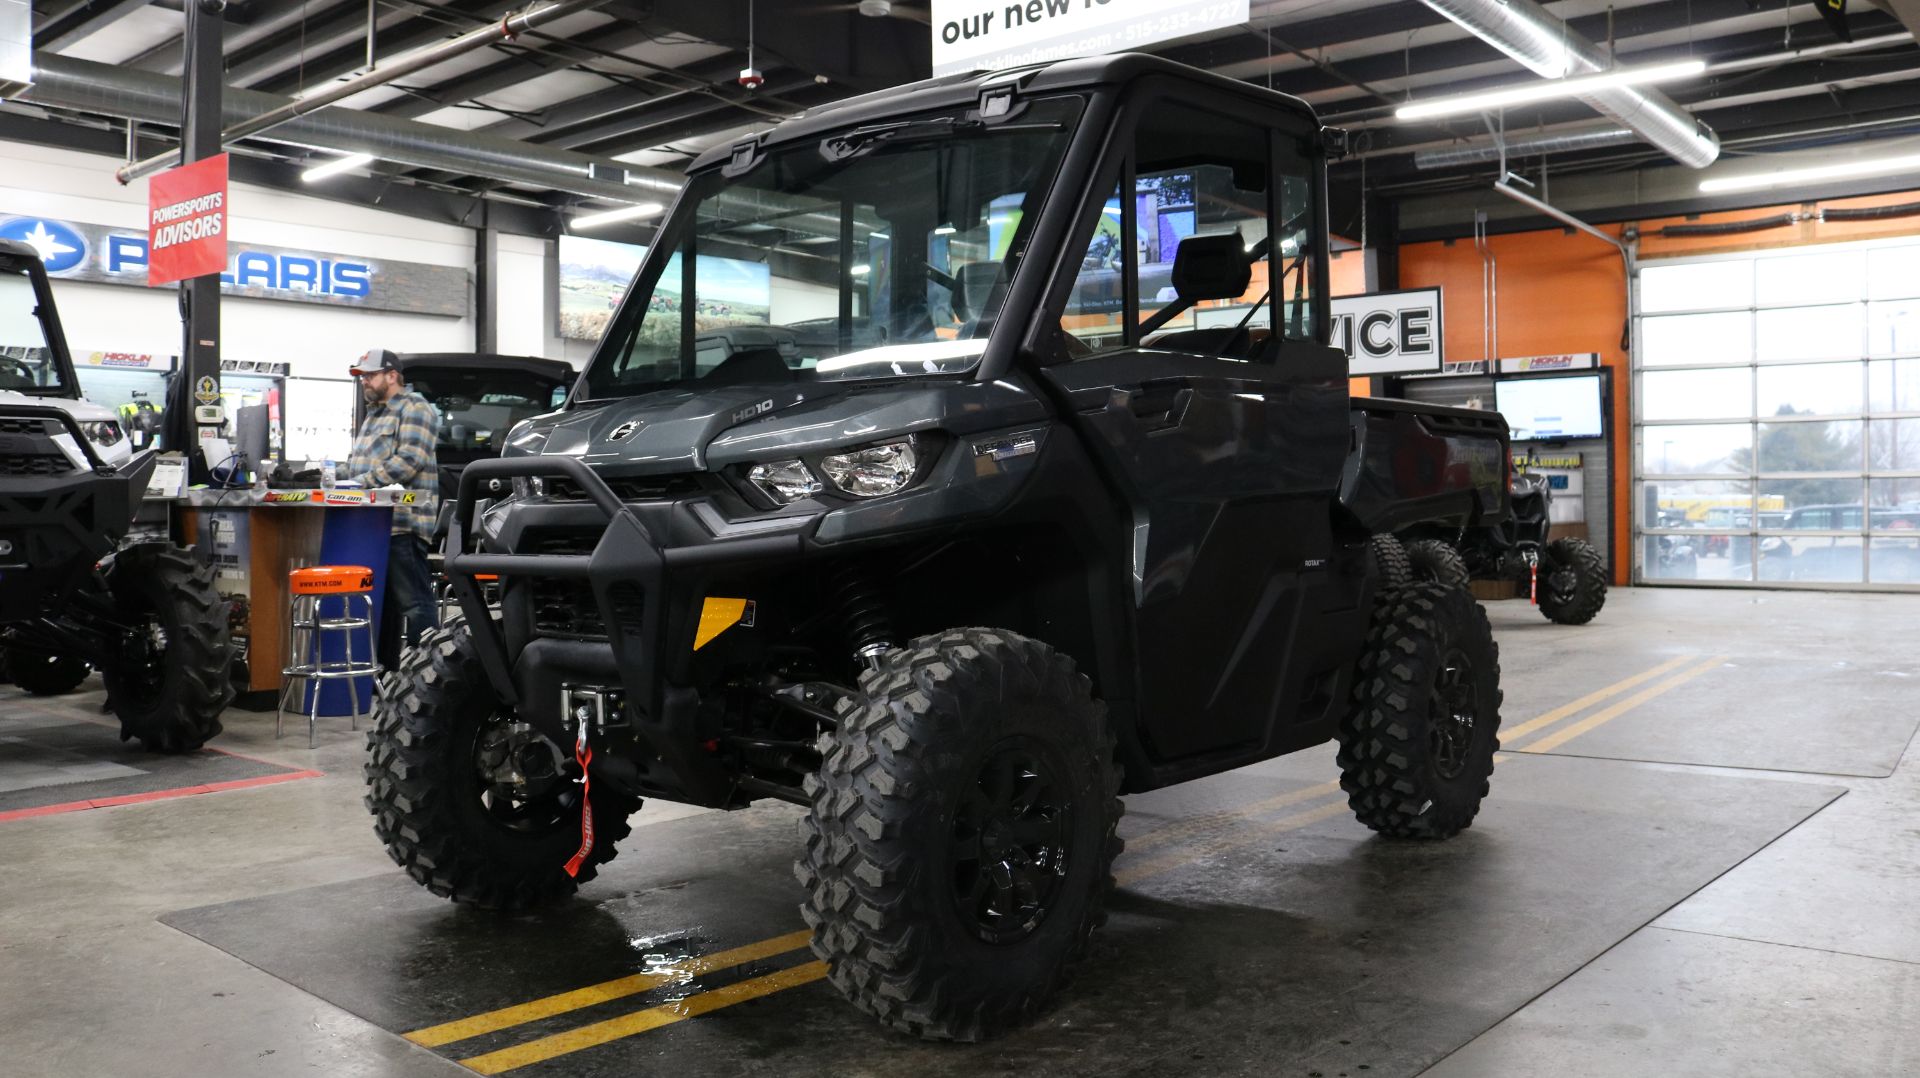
1509 736
680 972
1568 733
627 1025
1153 866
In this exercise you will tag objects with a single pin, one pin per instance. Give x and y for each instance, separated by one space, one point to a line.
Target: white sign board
1389 332
987 35
1576 361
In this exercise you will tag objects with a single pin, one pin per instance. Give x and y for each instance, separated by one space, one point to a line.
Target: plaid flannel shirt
396 445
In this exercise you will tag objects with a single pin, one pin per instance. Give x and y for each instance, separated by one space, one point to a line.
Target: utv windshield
478 406
27 365
881 251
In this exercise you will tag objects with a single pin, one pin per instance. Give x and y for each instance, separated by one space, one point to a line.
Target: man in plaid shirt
395 445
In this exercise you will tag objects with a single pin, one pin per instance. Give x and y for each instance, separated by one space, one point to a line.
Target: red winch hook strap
583 753
1533 581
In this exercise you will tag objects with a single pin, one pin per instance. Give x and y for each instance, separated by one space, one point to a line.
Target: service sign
987 35
1389 332
187 221
75 251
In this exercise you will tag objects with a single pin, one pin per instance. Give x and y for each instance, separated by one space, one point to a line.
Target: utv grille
23 425
27 448
638 489
34 464
565 607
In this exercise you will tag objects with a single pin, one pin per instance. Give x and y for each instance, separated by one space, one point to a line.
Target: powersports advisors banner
85 252
187 221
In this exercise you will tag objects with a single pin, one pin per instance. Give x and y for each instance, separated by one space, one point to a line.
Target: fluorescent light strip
336 166
624 213
1871 167
1549 89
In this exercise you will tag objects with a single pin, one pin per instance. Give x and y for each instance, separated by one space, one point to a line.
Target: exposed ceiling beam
518 66
82 21
661 134
337 45
853 50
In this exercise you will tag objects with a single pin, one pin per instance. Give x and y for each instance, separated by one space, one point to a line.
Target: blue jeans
408 607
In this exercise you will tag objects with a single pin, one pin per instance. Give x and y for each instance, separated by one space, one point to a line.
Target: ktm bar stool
310 620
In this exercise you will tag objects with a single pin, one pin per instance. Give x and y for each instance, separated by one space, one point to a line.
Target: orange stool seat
331 580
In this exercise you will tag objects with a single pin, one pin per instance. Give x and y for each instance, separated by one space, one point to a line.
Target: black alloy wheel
1010 836
1451 724
523 778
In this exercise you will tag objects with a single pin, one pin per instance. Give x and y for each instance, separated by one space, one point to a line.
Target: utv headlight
102 432
874 471
529 486
785 481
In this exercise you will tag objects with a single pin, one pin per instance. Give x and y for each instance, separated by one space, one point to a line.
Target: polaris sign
86 252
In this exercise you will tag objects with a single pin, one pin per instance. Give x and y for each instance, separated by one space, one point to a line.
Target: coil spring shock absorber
863 613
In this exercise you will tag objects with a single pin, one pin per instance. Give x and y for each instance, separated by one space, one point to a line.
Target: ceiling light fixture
1870 167
336 166
1548 90
624 213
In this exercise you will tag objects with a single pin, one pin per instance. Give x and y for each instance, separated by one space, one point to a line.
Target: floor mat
52 762
1257 930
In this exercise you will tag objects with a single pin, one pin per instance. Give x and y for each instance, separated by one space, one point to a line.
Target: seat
321 611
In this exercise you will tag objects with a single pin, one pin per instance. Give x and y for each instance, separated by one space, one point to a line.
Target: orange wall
1567 292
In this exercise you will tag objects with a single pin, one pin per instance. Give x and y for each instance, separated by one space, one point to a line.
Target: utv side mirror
1211 267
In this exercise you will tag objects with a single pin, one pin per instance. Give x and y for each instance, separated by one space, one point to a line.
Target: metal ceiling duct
109 90
1551 49
1524 146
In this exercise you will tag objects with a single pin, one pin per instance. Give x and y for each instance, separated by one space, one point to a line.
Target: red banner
187 221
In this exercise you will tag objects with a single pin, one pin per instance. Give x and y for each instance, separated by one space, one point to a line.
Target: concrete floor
1698 857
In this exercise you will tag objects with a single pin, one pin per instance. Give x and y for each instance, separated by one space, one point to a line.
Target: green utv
1032 483
75 595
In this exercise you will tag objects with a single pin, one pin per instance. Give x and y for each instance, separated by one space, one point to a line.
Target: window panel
1894 501
1809 389
1831 446
1683 339
1691 503
1697 449
1893 328
1810 332
1696 286
1893 272
1705 394
1811 277
1811 559
1810 504
1894 561
1894 445
1893 385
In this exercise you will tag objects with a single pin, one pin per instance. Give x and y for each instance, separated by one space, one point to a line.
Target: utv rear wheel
170 683
476 806
1431 559
1388 565
1573 582
1416 749
962 834
42 673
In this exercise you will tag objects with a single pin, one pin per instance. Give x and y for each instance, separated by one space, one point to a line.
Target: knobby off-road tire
975 759
1416 749
41 673
432 720
1389 566
1435 561
173 700
1586 592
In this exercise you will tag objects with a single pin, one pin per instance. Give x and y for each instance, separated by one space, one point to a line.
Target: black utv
74 596
1564 577
1008 537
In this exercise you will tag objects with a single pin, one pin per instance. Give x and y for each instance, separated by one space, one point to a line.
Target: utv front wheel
1573 582
1417 747
170 683
476 806
42 673
962 834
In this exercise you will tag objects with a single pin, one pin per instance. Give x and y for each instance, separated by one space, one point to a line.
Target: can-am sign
987 35
87 252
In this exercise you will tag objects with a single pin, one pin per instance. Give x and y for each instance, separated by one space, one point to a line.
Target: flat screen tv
1550 409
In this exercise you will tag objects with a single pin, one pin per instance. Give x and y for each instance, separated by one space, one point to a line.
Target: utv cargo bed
1415 462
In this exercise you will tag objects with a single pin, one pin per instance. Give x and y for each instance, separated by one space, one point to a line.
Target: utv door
1222 423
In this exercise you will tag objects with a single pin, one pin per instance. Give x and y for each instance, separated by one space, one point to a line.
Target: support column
486 305
200 124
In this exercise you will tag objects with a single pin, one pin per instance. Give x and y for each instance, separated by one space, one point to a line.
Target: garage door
1777 418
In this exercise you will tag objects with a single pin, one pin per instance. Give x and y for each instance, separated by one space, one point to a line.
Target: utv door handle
1162 406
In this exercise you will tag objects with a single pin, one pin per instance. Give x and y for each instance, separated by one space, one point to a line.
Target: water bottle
326 475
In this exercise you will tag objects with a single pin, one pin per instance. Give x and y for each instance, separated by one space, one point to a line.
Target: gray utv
1036 485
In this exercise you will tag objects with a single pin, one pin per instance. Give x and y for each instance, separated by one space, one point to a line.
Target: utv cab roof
555 370
950 91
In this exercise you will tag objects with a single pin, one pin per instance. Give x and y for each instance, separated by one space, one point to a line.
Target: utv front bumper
645 576
56 521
